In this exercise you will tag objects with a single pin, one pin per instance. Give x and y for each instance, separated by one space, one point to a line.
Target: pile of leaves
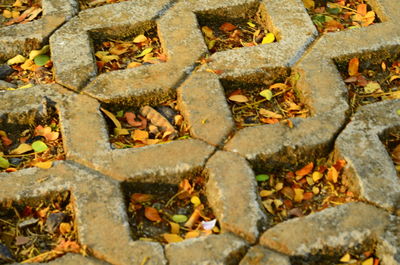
220 37
392 144
19 11
21 72
286 194
85 4
366 258
337 15
166 215
369 83
121 54
38 231
147 126
35 147
266 103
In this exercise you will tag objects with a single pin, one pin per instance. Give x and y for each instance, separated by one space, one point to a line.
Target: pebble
5 71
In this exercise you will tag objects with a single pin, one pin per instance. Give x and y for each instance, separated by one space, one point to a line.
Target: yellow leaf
332 175
346 258
309 4
133 65
18 3
22 148
195 200
144 52
371 87
139 135
315 190
172 238
28 65
7 14
106 57
208 32
112 118
44 165
120 131
174 228
238 98
16 60
317 176
26 86
269 38
139 39
298 195
45 49
266 193
192 234
393 77
279 186
369 261
65 228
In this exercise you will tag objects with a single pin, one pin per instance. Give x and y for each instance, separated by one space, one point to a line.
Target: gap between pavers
370 172
22 38
260 255
341 227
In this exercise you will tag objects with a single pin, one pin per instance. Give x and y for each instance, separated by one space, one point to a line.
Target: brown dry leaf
288 192
193 218
227 27
141 197
120 48
268 206
130 119
266 193
396 155
305 170
152 214
353 66
208 32
269 120
238 98
270 114
172 238
332 175
280 86
158 120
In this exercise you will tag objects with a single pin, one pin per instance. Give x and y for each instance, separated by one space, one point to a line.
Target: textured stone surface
260 255
228 157
232 193
213 250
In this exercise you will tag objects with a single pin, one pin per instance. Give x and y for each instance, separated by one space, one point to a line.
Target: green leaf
266 93
179 218
39 146
334 11
144 52
41 59
262 177
4 162
120 114
398 112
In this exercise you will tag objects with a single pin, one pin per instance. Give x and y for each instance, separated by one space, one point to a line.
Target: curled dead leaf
353 66
152 214
305 170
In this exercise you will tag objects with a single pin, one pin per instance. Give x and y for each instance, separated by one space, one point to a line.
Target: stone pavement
94 172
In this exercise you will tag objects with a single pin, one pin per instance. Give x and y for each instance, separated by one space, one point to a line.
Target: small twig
173 197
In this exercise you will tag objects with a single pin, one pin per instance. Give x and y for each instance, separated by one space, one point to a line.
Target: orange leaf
269 120
362 9
353 66
305 170
130 119
332 175
174 228
227 27
68 246
141 136
65 228
192 234
6 141
172 238
152 214
339 164
239 98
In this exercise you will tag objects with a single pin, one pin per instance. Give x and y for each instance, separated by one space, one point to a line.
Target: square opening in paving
256 100
361 254
122 48
391 140
337 15
30 139
294 190
169 213
85 4
371 77
19 11
236 26
149 123
38 229
26 70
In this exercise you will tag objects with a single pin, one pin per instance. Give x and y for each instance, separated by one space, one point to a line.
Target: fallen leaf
332 175
394 77
112 118
39 146
208 32
396 155
371 87
22 148
21 240
269 38
298 195
172 238
316 176
362 9
120 48
141 197
4 162
266 93
340 163
280 86
192 234
65 228
346 258
7 14
144 52
152 214
238 98
140 38
262 177
195 200
140 135
288 192
305 170
16 60
309 4
270 114
45 49
105 56
353 66
133 65
44 165
179 218
369 261
174 228
227 27
266 193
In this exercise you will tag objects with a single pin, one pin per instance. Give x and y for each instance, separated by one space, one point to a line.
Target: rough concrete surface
228 157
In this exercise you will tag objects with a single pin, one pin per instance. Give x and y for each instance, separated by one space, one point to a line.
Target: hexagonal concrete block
337 228
370 170
21 38
260 255
232 193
